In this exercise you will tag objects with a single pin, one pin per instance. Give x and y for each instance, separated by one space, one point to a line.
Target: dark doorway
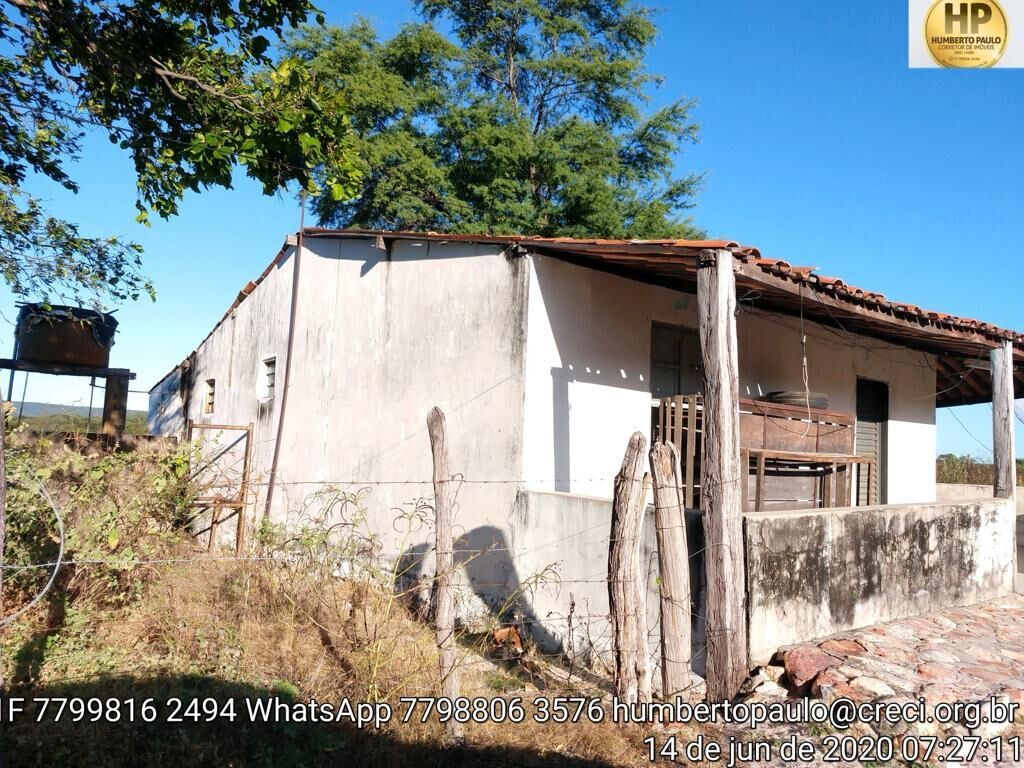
676 366
872 433
675 361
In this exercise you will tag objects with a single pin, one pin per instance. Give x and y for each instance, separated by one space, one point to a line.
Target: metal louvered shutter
872 415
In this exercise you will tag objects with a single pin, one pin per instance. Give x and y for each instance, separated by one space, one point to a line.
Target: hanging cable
964 426
56 565
803 365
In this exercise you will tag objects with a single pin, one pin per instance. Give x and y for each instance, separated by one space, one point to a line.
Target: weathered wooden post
626 582
1005 481
444 621
673 569
243 498
721 477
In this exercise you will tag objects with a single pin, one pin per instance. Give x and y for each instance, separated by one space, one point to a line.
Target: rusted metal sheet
58 335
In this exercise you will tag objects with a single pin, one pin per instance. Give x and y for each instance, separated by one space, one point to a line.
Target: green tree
186 87
531 123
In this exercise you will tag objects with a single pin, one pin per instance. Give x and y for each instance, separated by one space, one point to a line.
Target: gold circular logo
969 35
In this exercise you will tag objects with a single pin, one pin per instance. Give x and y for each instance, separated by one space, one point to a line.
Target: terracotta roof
778 286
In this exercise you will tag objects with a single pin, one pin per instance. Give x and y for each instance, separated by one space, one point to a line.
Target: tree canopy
529 121
187 88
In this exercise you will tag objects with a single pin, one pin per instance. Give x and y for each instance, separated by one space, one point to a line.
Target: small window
267 386
211 391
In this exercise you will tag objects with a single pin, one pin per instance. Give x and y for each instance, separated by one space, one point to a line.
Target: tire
818 400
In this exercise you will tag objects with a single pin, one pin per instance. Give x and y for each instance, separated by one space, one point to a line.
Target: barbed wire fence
583 639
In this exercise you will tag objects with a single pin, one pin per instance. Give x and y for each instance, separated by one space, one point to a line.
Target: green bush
117 507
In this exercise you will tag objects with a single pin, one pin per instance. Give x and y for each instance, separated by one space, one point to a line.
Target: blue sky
820 147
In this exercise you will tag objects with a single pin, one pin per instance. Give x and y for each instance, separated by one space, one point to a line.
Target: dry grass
272 628
225 629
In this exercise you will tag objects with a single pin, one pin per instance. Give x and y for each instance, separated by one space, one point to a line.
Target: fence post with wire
626 582
444 617
673 569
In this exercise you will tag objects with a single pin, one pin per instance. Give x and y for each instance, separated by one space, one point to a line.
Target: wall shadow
484 555
223 742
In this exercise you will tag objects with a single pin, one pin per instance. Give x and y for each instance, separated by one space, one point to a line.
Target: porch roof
961 344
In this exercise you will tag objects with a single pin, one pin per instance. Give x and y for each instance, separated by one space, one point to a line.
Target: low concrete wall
945 492
814 573
965 491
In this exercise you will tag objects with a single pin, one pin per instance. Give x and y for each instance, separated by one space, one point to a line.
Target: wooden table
835 469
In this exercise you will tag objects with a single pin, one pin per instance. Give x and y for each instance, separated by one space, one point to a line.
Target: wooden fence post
673 569
444 621
626 578
244 495
721 476
1005 457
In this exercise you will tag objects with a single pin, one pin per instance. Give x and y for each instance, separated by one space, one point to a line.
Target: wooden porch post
115 405
721 477
1002 421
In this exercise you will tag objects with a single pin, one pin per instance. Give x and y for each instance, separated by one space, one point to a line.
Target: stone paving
970 655
958 654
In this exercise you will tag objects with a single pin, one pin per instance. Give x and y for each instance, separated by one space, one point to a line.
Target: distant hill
50 417
53 409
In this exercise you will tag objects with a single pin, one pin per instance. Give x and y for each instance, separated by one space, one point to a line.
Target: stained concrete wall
811 574
967 491
588 362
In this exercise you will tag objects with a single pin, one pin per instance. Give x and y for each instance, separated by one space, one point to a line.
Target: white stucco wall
379 340
542 369
588 367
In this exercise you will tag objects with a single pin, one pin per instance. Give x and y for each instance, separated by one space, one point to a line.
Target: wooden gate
223 491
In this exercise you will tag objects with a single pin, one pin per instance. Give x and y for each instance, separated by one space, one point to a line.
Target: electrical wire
953 414
56 565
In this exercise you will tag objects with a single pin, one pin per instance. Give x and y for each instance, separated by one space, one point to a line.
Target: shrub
117 508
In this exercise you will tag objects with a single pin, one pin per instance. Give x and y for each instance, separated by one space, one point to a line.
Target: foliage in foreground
188 89
116 508
532 122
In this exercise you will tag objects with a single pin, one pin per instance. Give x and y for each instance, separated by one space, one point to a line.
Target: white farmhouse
546 355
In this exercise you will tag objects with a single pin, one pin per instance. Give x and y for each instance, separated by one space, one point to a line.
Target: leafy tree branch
188 89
